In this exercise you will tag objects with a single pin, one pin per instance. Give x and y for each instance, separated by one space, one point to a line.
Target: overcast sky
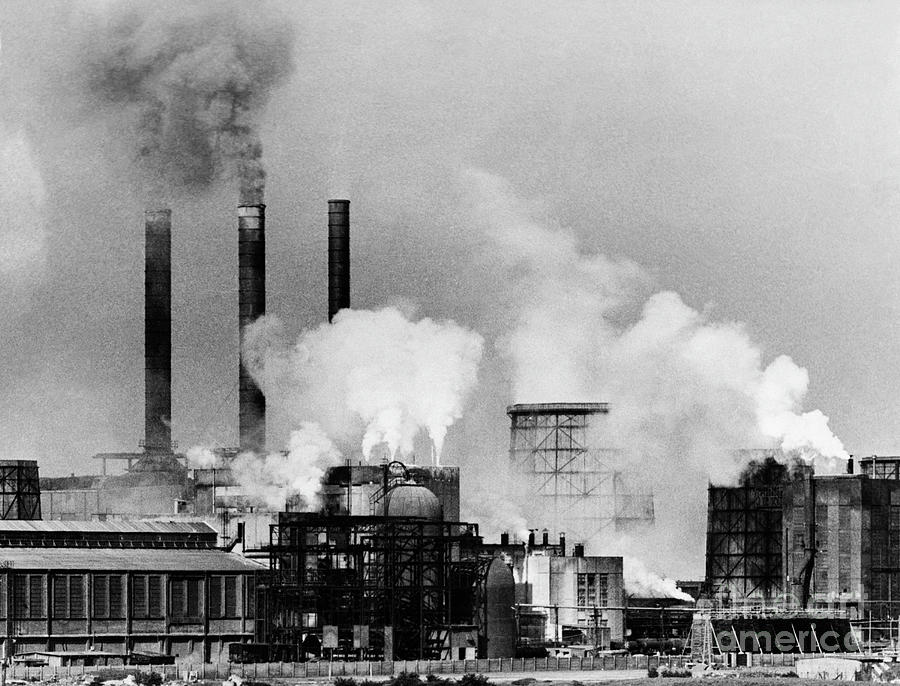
747 155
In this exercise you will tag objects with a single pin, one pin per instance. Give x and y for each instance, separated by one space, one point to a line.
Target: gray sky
746 154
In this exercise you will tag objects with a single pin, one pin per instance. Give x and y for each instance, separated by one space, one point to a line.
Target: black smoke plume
191 81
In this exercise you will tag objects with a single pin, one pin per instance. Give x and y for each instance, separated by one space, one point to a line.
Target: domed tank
412 500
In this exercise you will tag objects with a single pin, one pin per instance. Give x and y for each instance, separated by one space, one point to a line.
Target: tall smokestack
338 256
157 330
251 306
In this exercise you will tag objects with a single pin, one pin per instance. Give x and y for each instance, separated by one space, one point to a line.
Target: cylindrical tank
20 490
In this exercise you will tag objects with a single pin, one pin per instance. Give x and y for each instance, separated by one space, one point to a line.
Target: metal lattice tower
576 485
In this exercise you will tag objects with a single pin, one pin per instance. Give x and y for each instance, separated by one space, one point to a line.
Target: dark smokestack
531 538
251 306
562 544
338 256
157 330
504 538
579 550
545 537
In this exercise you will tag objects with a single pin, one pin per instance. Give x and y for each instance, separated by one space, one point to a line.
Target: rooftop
558 408
126 560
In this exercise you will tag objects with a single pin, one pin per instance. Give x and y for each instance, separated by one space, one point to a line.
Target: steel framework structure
20 490
551 445
391 575
743 542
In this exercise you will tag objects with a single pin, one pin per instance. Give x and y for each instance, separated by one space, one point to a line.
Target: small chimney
251 306
531 538
545 537
578 550
504 538
338 256
850 465
157 331
562 543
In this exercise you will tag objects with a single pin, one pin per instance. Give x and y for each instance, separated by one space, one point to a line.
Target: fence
287 670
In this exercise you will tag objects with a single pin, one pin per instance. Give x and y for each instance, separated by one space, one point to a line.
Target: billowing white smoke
674 376
641 582
22 196
372 376
202 457
686 392
272 479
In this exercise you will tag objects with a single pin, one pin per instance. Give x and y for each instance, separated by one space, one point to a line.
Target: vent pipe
157 331
338 256
251 306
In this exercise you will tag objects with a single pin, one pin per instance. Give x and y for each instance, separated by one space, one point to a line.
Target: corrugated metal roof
111 526
126 560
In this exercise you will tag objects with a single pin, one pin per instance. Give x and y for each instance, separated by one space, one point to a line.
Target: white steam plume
202 457
271 479
372 376
642 582
686 391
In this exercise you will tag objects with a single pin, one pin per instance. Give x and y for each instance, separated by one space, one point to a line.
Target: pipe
157 331
251 306
338 256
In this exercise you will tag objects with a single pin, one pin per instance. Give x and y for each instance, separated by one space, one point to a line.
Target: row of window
593 590
69 597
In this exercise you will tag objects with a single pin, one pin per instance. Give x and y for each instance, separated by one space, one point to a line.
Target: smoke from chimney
188 87
338 256
251 306
158 330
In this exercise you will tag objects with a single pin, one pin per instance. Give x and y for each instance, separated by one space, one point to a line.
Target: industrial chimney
338 256
157 331
251 306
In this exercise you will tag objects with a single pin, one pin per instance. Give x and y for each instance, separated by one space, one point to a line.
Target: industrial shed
123 587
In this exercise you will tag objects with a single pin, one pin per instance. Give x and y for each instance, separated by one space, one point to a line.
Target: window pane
60 596
231 596
115 597
100 597
20 595
139 596
76 596
36 597
154 599
178 597
193 598
215 596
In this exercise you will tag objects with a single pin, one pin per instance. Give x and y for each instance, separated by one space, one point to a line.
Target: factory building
405 584
564 597
744 534
572 480
813 546
140 589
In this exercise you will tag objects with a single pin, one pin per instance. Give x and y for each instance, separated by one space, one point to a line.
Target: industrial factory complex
156 559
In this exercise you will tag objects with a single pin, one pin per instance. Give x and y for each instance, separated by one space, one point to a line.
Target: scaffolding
574 482
332 575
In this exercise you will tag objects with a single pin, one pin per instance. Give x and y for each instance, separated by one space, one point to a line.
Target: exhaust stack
251 306
338 256
157 331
